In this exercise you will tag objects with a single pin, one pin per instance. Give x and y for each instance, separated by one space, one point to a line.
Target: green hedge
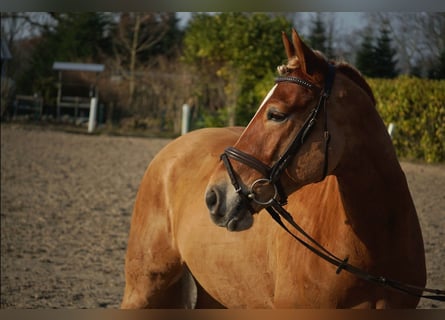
417 108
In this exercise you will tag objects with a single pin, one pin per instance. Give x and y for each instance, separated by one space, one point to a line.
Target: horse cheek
307 166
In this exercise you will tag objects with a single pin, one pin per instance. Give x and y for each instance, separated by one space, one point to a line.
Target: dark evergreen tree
438 70
365 60
385 62
318 38
376 57
317 35
416 71
80 35
329 49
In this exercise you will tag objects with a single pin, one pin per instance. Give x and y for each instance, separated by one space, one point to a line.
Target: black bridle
272 175
274 204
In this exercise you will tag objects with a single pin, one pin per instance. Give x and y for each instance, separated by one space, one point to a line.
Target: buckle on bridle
255 191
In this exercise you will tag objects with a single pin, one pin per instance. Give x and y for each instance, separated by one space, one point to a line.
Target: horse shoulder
153 262
172 169
318 209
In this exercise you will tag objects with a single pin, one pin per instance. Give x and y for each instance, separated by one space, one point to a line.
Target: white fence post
185 119
391 128
92 118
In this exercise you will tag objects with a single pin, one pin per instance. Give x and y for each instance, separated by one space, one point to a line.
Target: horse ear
290 49
308 59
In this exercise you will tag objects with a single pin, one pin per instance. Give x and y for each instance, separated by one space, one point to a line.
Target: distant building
79 97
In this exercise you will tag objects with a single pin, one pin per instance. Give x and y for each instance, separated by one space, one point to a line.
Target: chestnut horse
317 149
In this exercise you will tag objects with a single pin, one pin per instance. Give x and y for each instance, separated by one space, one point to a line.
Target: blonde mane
293 63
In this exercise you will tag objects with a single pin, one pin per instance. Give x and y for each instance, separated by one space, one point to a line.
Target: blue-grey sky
344 20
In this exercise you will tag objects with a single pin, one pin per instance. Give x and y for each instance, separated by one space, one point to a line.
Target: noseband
272 174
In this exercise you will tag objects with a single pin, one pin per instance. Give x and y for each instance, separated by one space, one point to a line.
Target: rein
276 210
274 204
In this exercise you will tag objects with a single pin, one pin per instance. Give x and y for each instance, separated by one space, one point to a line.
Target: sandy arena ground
66 203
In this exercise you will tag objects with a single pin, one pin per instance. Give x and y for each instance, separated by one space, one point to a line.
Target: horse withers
317 149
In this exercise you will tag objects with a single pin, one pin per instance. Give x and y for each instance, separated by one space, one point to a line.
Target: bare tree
137 33
19 25
173 85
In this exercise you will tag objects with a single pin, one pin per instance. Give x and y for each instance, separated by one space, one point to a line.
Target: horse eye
276 116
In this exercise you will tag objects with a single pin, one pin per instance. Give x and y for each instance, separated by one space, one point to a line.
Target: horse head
295 138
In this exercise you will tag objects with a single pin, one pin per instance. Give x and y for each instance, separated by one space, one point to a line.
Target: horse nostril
212 201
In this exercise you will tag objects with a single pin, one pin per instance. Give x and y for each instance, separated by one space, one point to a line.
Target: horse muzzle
227 209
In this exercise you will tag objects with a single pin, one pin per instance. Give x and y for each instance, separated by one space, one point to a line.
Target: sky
344 20
349 20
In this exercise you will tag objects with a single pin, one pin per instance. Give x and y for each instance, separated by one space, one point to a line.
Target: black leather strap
275 211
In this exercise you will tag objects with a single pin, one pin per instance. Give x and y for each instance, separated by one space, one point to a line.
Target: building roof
74 66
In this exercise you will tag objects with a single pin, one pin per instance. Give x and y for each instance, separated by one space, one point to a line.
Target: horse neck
372 185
